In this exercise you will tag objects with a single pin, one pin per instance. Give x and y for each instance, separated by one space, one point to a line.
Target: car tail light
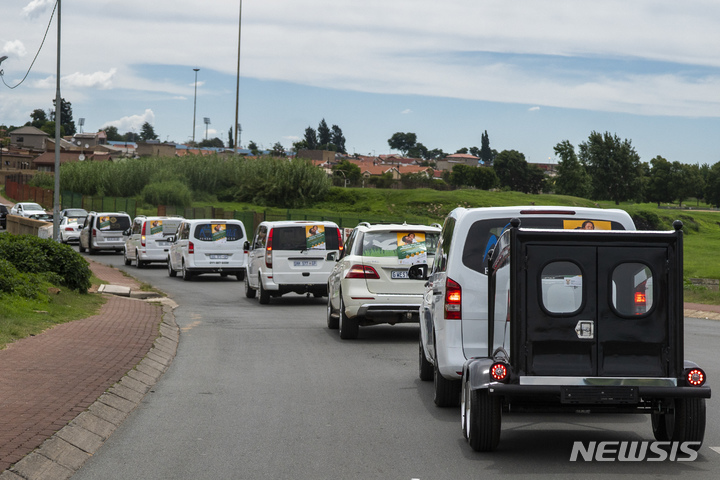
340 240
268 249
68 229
142 235
695 377
94 232
500 372
191 247
362 271
453 300
640 300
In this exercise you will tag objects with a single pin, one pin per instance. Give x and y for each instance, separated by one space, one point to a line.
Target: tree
571 179
212 142
614 168
252 146
512 170
323 134
66 117
486 154
112 134
39 118
418 151
712 185
147 132
350 172
659 185
463 150
402 142
131 137
338 139
49 128
686 180
278 150
231 143
311 139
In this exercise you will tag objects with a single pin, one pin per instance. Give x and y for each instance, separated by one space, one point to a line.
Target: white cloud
406 111
37 7
132 122
102 80
14 47
534 109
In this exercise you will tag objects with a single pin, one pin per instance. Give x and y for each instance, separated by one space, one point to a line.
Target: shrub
13 282
56 261
173 192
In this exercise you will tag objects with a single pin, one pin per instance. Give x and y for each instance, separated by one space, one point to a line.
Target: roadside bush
173 192
55 262
647 220
13 282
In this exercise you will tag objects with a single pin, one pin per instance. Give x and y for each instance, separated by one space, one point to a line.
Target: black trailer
586 321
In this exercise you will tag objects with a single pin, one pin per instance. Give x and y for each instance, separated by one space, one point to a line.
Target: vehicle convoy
207 246
291 256
453 314
587 321
369 284
147 239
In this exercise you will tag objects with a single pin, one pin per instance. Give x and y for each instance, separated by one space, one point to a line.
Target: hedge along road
269 392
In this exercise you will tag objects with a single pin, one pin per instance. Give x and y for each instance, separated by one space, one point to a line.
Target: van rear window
296 238
483 234
218 232
113 222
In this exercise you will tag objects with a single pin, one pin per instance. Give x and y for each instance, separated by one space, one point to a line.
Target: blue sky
531 73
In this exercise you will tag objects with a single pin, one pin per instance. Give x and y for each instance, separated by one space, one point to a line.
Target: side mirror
170 238
418 272
332 257
127 232
246 246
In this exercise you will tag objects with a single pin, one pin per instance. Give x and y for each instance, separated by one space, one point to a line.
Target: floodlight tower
195 103
207 122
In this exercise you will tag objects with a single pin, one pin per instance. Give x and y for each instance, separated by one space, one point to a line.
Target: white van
208 246
453 315
291 256
147 239
104 231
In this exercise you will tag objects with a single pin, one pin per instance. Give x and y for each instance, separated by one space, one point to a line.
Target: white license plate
304 263
113 239
161 244
399 274
218 257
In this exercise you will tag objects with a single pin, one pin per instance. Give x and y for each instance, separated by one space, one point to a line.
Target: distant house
28 137
46 161
325 156
88 140
155 149
446 164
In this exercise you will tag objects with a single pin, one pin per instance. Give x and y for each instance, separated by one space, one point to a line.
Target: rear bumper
389 312
589 395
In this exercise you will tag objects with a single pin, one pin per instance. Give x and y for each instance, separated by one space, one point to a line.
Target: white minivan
208 246
292 256
147 239
104 231
453 315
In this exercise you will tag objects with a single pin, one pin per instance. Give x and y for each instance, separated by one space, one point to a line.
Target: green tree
687 180
278 150
512 170
486 154
131 137
659 185
346 170
49 128
112 134
212 142
147 132
66 117
614 168
311 139
402 142
39 118
418 151
463 150
252 146
712 185
571 178
323 135
338 139
231 142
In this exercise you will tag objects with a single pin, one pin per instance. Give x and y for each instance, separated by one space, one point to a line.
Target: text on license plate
399 274
304 263
113 239
218 257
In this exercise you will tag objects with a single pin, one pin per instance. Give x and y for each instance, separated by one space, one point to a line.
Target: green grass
22 317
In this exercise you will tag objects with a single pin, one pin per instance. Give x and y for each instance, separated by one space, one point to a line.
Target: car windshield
385 244
32 206
75 212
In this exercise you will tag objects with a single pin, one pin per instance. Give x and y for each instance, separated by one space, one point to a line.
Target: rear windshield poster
587 225
104 223
218 233
156 227
315 237
411 248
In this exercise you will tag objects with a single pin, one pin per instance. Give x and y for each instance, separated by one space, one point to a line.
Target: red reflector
499 372
362 271
453 300
695 377
268 249
547 212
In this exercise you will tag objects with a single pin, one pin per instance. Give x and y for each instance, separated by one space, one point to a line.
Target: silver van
147 239
104 231
291 256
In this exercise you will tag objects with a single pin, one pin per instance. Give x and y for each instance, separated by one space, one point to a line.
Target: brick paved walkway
47 380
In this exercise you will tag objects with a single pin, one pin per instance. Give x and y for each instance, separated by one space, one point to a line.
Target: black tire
249 291
126 260
240 276
264 297
425 368
684 422
81 249
483 419
171 271
186 274
138 263
446 392
348 327
332 322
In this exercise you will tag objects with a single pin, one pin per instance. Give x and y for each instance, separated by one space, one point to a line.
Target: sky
532 73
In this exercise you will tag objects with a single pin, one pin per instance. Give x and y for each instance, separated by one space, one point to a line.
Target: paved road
268 392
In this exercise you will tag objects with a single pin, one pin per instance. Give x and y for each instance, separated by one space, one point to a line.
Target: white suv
208 246
147 239
291 256
453 315
369 285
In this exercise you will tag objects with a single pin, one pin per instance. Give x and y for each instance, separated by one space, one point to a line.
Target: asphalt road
267 391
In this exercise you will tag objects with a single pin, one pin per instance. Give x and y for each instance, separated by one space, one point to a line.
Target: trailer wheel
483 418
684 422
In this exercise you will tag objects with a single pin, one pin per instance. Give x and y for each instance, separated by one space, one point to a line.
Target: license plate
161 244
218 257
399 274
113 239
305 263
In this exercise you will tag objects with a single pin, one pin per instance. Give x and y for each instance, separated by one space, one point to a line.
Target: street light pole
194 104
58 120
237 86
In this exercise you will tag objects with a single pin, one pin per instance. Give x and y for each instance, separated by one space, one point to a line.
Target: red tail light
340 240
453 300
499 372
142 235
268 249
191 247
640 303
362 271
94 232
695 377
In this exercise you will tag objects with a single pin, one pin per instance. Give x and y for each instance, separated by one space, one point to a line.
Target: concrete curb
60 456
